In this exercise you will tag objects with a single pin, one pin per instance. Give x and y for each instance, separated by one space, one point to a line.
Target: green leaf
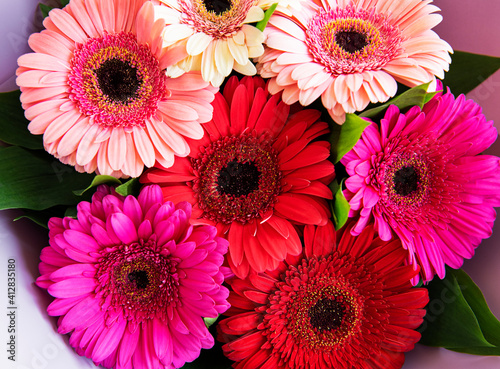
71 212
13 124
131 187
38 217
340 206
344 137
415 96
64 2
41 217
210 321
458 317
490 326
45 9
36 180
467 71
261 25
99 180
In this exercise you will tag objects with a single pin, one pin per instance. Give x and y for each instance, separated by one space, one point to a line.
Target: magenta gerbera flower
352 52
132 280
346 302
256 173
419 174
96 88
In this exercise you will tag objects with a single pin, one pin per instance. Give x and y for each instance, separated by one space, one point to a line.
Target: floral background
467 25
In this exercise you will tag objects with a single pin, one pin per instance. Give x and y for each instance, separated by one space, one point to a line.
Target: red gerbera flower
255 173
345 303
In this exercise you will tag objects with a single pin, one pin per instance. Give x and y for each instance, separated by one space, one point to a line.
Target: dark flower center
351 41
406 181
238 179
139 278
327 314
217 6
118 80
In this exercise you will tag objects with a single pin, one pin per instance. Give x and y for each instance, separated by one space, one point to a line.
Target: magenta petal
72 287
164 212
162 341
71 251
198 279
164 230
50 256
82 315
101 235
194 259
144 356
124 228
194 322
132 209
189 293
371 197
81 241
149 196
91 336
60 307
73 271
178 324
184 250
127 347
186 207
145 230
109 340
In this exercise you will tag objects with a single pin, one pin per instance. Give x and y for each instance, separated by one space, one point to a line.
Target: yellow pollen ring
361 26
209 15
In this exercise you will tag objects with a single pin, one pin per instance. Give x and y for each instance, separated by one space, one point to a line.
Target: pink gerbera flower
352 52
420 176
346 302
96 88
132 280
256 172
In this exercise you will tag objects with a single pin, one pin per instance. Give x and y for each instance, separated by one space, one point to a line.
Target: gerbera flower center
138 280
118 80
238 178
327 314
217 6
406 181
216 18
115 81
352 40
320 306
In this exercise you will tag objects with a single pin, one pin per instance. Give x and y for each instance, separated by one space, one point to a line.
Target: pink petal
109 340
72 287
84 314
73 271
81 241
124 228
162 341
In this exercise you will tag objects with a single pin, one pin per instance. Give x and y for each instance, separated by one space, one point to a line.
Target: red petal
298 208
239 110
312 154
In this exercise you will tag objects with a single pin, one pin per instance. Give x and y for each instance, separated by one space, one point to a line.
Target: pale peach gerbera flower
216 35
352 52
96 88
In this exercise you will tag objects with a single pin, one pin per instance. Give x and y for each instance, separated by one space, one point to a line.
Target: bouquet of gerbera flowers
283 184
